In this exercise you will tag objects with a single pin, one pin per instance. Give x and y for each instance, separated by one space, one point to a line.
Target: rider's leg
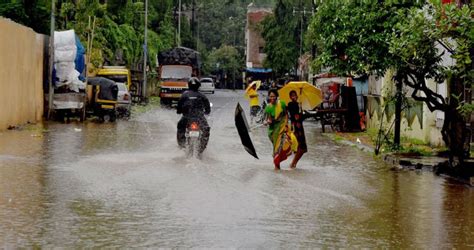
181 132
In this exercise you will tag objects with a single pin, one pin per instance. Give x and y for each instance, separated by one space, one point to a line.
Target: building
254 55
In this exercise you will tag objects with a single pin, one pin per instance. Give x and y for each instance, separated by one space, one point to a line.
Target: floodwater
128 185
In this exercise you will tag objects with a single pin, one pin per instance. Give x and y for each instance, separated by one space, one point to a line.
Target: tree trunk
454 129
454 132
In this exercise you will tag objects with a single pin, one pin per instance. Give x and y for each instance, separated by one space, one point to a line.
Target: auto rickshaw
103 101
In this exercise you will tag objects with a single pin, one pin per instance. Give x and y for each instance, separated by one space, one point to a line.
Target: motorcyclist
193 105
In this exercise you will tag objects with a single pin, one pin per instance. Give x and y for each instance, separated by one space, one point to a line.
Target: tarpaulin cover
80 63
108 88
180 56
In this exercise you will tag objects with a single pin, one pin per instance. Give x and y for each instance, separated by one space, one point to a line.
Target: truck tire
82 114
165 102
113 116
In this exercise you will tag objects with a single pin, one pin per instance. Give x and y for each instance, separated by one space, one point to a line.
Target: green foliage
118 28
352 37
228 59
281 32
220 23
368 37
153 103
187 39
122 37
119 25
21 11
423 38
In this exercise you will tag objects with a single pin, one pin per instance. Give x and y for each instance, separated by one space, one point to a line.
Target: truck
176 66
66 97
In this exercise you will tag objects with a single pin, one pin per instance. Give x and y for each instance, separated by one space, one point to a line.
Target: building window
260 50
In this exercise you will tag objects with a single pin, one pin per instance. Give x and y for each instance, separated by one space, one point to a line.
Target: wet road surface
128 185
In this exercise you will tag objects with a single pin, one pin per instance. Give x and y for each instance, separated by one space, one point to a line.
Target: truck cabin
176 72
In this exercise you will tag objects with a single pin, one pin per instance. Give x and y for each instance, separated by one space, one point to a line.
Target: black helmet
194 83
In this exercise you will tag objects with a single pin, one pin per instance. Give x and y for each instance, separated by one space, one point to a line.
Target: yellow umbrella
258 83
308 95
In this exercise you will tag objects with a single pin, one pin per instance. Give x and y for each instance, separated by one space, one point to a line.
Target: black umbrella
242 128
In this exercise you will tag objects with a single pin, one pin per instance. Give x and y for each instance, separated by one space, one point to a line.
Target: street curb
400 162
410 164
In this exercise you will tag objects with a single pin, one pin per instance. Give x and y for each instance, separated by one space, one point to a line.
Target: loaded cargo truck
176 66
68 90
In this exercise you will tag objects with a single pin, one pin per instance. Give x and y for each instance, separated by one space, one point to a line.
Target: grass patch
338 138
408 145
153 102
416 150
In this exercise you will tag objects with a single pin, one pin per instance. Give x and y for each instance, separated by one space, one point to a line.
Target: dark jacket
193 104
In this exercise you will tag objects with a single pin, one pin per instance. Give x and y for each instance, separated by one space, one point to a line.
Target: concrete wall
21 74
418 122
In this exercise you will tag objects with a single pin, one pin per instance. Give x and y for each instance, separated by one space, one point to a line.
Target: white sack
68 55
63 70
64 38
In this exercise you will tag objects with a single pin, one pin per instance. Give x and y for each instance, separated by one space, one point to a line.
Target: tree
418 41
220 23
228 59
21 11
281 32
119 29
372 38
355 41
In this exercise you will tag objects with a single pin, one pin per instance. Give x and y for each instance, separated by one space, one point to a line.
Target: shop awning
258 70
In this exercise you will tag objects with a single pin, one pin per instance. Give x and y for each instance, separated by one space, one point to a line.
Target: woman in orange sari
279 133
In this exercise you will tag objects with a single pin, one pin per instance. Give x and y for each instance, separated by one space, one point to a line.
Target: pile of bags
68 61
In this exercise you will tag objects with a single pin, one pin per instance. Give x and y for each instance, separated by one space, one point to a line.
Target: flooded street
127 184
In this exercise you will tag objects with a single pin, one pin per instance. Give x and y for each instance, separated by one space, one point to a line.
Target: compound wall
21 74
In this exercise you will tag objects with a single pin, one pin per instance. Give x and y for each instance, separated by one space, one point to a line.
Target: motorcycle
194 137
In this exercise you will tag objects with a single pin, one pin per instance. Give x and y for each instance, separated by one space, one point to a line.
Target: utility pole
197 32
179 24
51 60
193 20
145 51
301 30
302 12
313 47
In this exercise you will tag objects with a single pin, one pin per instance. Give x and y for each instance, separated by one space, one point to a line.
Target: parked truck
176 66
68 88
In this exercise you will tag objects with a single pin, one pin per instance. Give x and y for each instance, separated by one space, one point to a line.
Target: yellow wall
21 74
426 131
